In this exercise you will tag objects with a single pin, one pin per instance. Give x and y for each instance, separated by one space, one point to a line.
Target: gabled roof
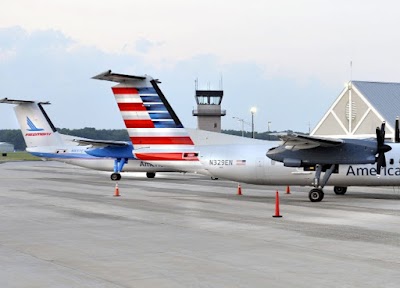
384 97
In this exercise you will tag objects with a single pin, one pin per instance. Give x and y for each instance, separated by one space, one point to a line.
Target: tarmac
61 226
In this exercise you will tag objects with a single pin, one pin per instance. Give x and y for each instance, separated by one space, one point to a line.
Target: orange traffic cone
239 192
287 189
277 215
116 192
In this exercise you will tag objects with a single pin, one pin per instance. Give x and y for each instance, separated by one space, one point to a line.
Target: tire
316 195
150 174
339 190
115 176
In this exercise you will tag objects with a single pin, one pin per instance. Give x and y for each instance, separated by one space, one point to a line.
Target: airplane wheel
316 195
214 178
339 190
150 174
115 176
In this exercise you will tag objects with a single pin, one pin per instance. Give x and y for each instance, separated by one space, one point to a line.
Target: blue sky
290 59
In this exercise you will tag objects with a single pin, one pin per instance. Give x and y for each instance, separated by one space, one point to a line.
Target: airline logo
151 123
33 128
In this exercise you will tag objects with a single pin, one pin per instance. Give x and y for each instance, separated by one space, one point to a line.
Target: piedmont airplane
43 140
159 137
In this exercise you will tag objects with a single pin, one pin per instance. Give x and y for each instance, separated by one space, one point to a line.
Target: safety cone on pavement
277 213
287 189
239 191
116 192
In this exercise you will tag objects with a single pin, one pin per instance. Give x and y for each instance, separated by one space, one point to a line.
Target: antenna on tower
351 70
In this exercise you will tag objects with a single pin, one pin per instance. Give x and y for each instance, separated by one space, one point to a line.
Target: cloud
143 45
47 65
7 54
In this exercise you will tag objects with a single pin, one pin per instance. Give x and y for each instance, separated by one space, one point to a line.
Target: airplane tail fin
36 127
151 122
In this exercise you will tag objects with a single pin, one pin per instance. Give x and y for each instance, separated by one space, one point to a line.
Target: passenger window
391 161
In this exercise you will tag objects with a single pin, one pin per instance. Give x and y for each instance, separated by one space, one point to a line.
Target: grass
18 156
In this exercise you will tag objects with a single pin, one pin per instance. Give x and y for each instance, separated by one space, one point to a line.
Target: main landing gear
150 174
115 176
118 166
340 190
317 194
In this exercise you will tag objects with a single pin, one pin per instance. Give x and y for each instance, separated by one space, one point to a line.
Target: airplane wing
101 143
298 142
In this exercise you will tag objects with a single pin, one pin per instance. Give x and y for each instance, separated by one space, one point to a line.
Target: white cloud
296 39
49 66
7 54
294 50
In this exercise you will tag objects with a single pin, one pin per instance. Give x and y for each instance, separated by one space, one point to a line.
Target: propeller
382 148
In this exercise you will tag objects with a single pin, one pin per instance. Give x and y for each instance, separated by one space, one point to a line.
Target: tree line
14 136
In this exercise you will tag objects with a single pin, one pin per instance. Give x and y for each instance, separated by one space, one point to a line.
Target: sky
290 59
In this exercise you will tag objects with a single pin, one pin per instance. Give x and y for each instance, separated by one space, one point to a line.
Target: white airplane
159 137
43 140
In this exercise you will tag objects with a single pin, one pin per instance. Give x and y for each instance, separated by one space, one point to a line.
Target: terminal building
360 108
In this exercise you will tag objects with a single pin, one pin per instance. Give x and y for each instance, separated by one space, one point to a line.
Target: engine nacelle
288 162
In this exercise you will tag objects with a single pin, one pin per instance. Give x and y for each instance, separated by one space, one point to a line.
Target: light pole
240 120
253 110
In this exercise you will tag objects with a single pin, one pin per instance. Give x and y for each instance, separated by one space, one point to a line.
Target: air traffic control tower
208 110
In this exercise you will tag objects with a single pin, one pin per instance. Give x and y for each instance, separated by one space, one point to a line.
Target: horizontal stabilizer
119 78
17 101
101 143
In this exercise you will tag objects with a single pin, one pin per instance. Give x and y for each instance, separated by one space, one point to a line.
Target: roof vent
353 111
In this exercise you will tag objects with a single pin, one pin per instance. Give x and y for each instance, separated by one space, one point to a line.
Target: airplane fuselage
76 155
248 163
244 163
253 166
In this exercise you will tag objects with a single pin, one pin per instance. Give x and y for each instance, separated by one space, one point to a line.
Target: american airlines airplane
159 137
43 140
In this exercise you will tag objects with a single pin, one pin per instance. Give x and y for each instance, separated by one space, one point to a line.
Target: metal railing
197 112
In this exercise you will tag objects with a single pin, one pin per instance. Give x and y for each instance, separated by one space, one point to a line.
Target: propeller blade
397 131
381 148
383 160
378 136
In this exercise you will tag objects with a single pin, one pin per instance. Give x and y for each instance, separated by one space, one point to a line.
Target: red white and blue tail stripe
156 132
